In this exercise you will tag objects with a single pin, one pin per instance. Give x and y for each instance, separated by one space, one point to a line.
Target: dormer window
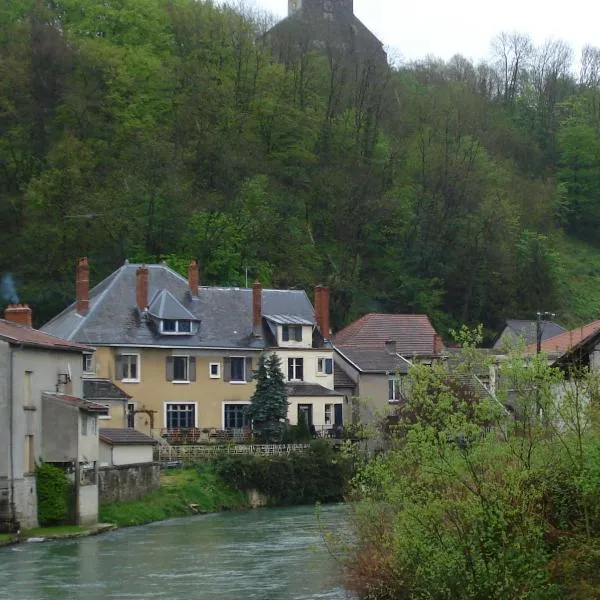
175 326
291 332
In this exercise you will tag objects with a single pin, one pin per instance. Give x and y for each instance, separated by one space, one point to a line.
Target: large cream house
184 354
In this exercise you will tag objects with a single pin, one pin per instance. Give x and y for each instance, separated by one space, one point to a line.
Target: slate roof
515 329
287 320
124 437
559 344
309 389
14 333
413 334
225 313
80 403
373 359
341 379
165 306
103 389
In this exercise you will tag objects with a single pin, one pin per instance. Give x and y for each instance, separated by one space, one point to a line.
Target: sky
414 29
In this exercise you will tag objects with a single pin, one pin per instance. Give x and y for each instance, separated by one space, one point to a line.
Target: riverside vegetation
164 129
472 503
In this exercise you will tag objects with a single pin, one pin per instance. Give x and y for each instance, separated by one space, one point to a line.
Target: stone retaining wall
128 482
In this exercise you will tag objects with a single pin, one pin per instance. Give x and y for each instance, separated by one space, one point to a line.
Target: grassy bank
178 490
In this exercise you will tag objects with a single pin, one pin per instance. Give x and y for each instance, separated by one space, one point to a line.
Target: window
328 414
88 362
234 416
181 369
214 370
395 389
174 326
295 369
291 332
129 367
324 366
27 389
105 415
238 368
131 415
180 415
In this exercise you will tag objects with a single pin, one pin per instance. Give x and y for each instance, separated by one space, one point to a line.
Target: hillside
165 129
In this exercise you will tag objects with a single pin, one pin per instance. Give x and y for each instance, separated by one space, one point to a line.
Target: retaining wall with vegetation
128 482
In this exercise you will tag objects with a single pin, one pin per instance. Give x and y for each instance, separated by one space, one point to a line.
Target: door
337 417
305 411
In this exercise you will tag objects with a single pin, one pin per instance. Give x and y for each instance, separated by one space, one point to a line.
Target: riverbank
62 532
182 493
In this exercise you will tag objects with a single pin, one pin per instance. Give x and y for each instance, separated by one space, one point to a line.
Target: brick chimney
141 288
256 307
438 344
323 320
18 313
194 278
317 304
82 286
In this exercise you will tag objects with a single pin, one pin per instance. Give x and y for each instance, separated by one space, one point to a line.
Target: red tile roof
413 334
14 333
565 341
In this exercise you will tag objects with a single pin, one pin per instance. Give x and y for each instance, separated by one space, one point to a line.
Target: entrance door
337 420
305 411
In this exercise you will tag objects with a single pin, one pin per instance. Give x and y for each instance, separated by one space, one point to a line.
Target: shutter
329 366
249 373
119 368
192 368
298 333
169 368
227 369
285 333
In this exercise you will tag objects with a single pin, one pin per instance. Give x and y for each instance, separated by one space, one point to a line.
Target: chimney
438 344
391 347
256 307
82 286
324 310
317 304
194 278
18 313
141 288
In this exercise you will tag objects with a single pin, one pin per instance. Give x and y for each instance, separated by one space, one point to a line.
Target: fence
188 453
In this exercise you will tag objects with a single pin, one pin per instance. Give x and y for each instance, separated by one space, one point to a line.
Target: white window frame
177 332
323 373
295 360
171 402
398 384
89 356
238 381
328 414
107 415
210 370
139 367
187 370
225 402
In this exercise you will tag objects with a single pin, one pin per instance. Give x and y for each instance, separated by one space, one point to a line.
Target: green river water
269 554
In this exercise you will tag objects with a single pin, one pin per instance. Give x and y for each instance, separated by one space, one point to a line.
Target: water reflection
273 554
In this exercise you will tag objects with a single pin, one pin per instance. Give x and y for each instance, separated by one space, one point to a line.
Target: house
516 330
184 354
120 447
560 344
120 410
372 358
32 364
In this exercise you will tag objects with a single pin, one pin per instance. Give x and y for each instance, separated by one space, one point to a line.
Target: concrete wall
61 431
373 396
130 482
88 440
88 504
26 502
125 454
4 409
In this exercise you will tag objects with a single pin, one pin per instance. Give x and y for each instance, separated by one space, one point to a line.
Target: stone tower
328 9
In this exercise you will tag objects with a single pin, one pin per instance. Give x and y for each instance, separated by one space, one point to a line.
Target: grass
179 489
58 530
5 537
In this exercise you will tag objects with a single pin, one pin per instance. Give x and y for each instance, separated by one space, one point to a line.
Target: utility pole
540 328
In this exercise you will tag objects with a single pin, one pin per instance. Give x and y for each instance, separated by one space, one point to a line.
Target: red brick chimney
141 287
324 309
317 304
194 277
82 286
256 307
18 313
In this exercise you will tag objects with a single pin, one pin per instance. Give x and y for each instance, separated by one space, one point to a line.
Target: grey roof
309 389
288 320
165 306
341 379
103 389
373 359
124 437
80 403
225 313
516 328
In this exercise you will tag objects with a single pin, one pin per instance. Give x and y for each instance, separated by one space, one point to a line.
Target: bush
53 494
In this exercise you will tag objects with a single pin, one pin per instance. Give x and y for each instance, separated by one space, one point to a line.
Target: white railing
190 453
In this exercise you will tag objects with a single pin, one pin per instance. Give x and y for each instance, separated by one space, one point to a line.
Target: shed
119 447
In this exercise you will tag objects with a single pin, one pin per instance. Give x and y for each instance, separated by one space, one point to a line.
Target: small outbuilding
120 447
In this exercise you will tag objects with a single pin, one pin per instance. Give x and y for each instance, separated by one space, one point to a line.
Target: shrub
53 494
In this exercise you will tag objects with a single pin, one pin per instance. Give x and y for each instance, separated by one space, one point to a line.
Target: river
267 554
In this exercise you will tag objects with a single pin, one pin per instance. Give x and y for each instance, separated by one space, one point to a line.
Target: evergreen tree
268 408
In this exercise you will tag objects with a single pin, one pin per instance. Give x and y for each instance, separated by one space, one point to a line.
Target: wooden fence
188 454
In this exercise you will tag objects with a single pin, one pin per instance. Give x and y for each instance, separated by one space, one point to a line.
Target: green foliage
318 475
53 495
201 486
268 407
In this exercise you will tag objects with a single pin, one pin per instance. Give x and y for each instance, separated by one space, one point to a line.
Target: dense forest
164 129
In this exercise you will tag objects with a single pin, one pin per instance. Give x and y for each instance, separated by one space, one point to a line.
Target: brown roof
14 333
413 334
80 403
565 341
121 437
